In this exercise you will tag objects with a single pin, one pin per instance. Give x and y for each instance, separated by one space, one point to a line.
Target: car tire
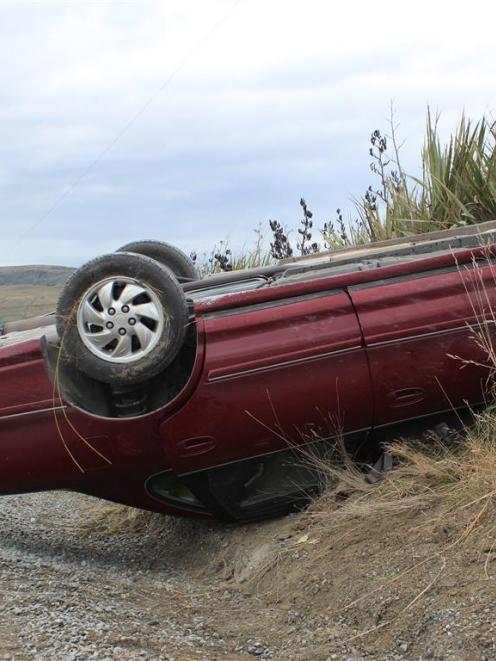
179 263
132 301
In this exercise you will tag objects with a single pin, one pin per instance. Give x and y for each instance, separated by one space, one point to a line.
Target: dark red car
190 396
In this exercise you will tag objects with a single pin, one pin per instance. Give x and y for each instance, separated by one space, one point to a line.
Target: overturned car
157 389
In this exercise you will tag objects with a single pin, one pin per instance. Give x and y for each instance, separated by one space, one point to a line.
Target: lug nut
132 321
122 331
125 309
111 311
109 325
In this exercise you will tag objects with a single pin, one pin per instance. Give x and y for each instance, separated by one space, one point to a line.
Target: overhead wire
82 175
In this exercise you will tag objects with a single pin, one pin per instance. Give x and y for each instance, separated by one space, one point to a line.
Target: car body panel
251 401
421 338
23 379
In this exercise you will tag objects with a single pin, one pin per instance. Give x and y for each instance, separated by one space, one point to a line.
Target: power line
188 57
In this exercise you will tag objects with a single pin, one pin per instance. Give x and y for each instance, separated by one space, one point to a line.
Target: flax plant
457 187
458 183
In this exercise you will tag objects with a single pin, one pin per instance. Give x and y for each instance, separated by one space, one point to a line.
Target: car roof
342 261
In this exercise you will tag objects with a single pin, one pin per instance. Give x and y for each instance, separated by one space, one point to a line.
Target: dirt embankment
82 579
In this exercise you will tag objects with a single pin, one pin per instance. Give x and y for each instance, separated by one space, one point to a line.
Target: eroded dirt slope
81 579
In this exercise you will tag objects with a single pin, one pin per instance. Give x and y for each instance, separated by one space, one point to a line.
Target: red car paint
279 365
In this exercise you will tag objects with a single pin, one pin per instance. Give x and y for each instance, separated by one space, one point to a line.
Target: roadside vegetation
457 187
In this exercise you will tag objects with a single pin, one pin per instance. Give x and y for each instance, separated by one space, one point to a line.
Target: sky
194 121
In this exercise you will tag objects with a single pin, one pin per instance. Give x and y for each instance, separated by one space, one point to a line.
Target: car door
423 340
276 373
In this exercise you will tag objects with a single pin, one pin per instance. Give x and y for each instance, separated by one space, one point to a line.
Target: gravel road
70 591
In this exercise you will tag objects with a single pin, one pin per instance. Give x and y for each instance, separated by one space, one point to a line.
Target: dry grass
460 475
114 519
24 301
377 561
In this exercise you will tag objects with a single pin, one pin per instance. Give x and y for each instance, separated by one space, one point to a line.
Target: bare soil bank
82 579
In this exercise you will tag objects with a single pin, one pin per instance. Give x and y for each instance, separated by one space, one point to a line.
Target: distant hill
34 275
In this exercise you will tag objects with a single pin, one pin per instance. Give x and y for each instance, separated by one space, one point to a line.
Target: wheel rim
120 320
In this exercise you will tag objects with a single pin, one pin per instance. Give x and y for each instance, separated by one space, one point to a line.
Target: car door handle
407 396
191 447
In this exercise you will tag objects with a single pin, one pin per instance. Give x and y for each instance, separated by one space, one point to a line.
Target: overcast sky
191 121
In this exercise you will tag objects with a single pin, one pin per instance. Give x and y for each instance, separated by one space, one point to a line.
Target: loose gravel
68 593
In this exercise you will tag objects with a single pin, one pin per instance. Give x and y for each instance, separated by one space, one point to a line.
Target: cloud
220 125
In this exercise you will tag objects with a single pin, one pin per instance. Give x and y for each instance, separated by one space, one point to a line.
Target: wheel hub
120 319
